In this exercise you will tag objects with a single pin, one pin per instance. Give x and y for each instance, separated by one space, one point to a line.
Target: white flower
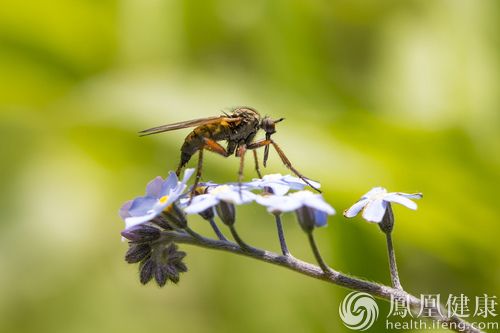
227 193
297 200
279 184
375 202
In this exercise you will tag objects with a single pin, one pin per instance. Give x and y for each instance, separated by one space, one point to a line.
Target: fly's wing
188 123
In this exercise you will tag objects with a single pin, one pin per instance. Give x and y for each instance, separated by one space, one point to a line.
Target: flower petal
411 195
374 191
187 174
356 208
374 211
272 177
201 203
320 218
133 221
318 203
169 183
397 198
278 203
279 188
140 206
298 184
153 188
124 210
236 197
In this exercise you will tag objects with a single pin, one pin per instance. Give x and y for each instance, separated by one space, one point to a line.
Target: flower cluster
167 202
160 260
152 219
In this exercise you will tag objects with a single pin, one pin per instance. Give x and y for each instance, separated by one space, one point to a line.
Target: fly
238 129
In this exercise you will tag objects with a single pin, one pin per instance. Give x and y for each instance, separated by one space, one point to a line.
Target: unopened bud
181 267
141 233
226 212
207 214
162 222
173 274
306 218
147 269
161 275
137 252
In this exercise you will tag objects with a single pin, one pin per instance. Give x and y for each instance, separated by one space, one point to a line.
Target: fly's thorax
248 114
249 124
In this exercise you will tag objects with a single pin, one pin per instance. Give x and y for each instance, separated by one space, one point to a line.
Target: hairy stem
281 235
381 291
392 262
238 239
193 233
317 254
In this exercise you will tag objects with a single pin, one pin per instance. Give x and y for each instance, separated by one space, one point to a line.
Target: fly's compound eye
269 125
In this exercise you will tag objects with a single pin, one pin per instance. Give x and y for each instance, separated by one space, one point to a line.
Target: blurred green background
402 94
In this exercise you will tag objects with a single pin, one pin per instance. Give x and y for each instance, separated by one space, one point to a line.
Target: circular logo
358 311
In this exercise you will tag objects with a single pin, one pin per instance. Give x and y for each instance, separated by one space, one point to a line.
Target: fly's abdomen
196 139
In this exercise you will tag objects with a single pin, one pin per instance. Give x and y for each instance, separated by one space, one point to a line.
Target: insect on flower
238 129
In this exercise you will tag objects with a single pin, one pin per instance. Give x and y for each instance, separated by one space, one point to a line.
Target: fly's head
269 126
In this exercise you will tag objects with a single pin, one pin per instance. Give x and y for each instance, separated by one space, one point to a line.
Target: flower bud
141 233
207 214
137 252
181 267
226 212
162 222
306 218
147 269
161 275
173 274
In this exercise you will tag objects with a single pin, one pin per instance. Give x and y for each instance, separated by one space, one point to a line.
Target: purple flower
279 184
160 194
305 203
215 194
375 202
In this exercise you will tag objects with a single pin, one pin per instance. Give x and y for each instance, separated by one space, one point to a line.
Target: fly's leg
198 174
241 154
215 147
266 151
257 167
209 145
178 171
284 159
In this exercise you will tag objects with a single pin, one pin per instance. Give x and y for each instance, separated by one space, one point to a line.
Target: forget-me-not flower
215 194
312 210
375 202
160 195
279 184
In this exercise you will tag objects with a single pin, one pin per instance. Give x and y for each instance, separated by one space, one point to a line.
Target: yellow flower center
163 199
